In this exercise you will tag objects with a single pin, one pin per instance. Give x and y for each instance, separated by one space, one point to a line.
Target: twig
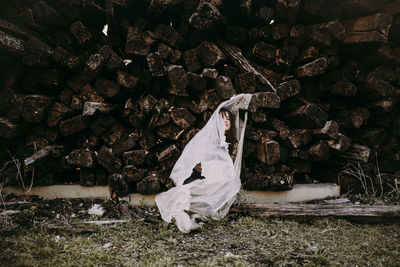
18 166
379 174
106 222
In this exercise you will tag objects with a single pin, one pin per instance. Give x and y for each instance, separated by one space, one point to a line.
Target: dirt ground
36 232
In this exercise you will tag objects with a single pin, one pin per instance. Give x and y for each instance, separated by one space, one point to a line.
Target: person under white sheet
207 174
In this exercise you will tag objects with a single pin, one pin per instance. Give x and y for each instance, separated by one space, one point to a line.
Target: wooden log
160 119
118 184
168 35
329 131
285 56
236 35
206 17
66 59
287 10
209 73
192 60
308 116
319 151
134 157
56 113
358 213
280 31
102 124
298 154
264 100
178 79
147 139
353 118
11 44
224 87
76 82
42 155
235 55
87 93
155 64
356 152
126 80
165 51
138 42
81 158
108 160
268 152
264 51
210 54
384 105
150 184
147 103
297 138
107 88
264 15
376 87
182 117
373 28
288 89
169 131
314 68
197 82
246 82
280 181
80 32
126 142
306 55
168 157
254 181
340 144
131 173
300 166
73 125
344 88
258 116
112 135
87 177
93 108
76 103
96 63
370 136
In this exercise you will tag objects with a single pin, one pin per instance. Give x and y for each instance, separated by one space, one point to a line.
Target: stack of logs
110 91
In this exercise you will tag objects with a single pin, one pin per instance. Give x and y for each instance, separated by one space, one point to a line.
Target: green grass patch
236 241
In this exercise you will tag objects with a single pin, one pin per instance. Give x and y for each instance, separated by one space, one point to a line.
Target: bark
358 213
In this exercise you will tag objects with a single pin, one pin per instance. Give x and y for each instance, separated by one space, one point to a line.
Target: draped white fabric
212 196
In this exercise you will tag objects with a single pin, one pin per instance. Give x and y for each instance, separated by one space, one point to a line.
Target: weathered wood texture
305 212
124 100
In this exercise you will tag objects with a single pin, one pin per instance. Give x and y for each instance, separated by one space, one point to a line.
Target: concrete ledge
300 193
63 191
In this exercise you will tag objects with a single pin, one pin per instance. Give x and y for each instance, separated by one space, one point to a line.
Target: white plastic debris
105 29
231 255
127 61
107 245
57 238
96 209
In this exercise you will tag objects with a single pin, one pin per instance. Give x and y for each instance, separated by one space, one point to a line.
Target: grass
236 241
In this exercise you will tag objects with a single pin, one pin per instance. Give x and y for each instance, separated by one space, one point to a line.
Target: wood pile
110 91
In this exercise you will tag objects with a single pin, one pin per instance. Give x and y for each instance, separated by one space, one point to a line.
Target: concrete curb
63 191
300 193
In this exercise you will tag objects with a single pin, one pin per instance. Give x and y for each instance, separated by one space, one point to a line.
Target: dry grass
236 241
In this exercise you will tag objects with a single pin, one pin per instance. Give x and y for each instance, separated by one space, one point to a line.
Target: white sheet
213 196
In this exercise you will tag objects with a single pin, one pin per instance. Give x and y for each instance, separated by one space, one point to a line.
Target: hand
198 167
